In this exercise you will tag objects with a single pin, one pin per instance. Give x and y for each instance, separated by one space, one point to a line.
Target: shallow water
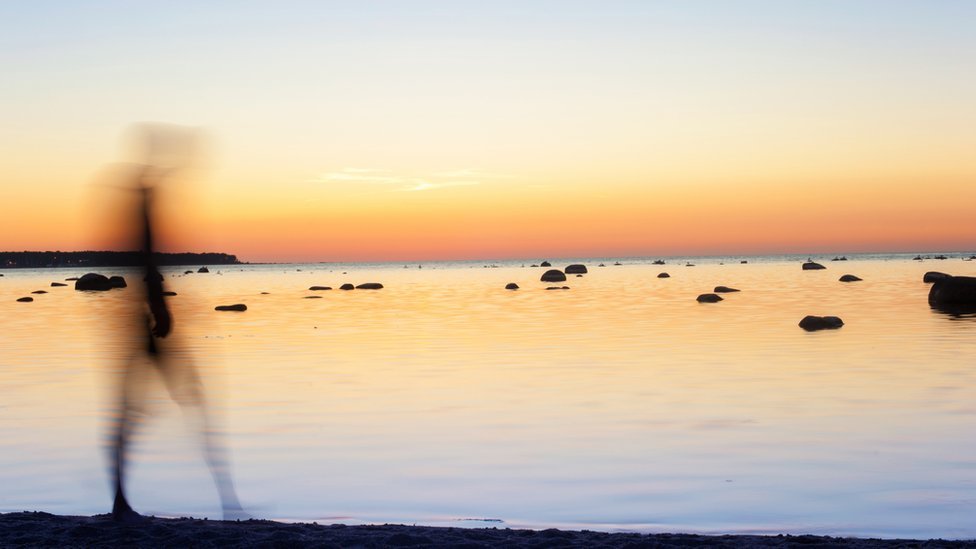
621 403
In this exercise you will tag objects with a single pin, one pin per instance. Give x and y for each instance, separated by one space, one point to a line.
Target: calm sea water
620 404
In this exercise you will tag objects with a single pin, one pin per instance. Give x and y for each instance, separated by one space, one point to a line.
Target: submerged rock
545 264
203 270
234 307
553 275
812 266
69 279
370 286
57 284
558 288
319 288
575 269
955 291
934 276
347 286
511 286
39 292
724 290
187 272
169 294
93 282
812 323
663 275
312 297
25 299
850 278
709 298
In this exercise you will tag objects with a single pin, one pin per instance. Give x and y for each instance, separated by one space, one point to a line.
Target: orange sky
513 131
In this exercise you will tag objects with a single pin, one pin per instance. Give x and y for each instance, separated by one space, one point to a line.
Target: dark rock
234 307
93 282
842 258
320 288
71 279
117 282
689 264
370 286
917 258
545 264
57 284
935 276
955 291
658 262
203 270
941 257
663 275
812 323
575 269
533 265
169 294
553 275
724 290
265 293
511 286
313 297
601 265
743 262
709 298
25 299
812 266
617 263
39 292
558 288
850 278
187 272
347 286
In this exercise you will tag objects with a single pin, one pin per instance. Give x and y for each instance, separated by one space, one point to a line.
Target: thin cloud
437 180
427 185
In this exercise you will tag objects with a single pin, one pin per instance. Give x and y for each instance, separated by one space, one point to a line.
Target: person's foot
125 514
236 513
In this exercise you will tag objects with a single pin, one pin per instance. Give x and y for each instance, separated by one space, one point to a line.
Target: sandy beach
36 529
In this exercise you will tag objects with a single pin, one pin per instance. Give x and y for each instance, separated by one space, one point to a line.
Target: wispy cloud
399 183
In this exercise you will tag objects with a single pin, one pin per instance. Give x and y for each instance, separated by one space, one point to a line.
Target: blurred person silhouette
161 151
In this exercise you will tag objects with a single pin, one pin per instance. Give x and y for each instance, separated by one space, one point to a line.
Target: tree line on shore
35 260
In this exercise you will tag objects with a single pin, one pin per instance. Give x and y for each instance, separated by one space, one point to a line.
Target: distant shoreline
38 529
58 259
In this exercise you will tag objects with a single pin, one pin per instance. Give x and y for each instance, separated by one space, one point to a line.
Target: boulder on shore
709 298
347 286
575 269
93 282
663 275
370 286
724 290
319 288
934 276
553 275
234 307
812 323
812 266
511 286
850 278
954 292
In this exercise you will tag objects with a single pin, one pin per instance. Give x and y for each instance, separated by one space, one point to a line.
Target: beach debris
117 282
347 286
370 286
812 323
725 290
663 275
319 288
850 278
25 299
934 276
93 282
57 284
511 286
234 307
575 268
954 291
709 298
553 275
545 264
203 270
812 266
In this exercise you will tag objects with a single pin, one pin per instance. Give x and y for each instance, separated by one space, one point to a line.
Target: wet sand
36 529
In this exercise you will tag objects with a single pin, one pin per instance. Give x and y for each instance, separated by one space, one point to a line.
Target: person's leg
120 433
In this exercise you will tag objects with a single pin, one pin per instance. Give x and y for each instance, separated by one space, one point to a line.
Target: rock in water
71 279
25 299
724 290
553 275
812 323
576 269
934 276
39 292
954 292
57 284
545 264
812 266
320 288
347 286
850 278
370 286
709 298
187 272
511 286
234 307
312 297
93 282
663 275
169 294
117 282
203 270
